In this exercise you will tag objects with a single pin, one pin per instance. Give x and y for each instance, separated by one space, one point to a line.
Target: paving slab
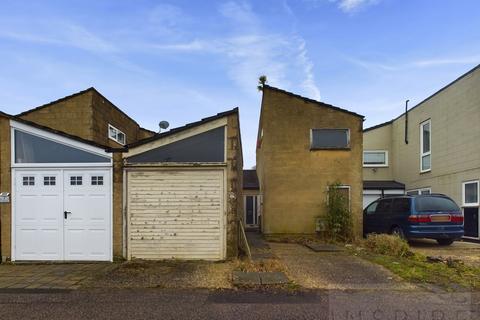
273 278
246 278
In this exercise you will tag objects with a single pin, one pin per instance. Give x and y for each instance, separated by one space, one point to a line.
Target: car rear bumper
435 234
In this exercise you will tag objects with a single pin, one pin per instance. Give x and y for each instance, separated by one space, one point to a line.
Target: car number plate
440 218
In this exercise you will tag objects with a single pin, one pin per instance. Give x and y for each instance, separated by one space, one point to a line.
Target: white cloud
353 5
250 51
347 6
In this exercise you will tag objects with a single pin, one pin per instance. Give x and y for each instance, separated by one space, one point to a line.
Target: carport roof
382 185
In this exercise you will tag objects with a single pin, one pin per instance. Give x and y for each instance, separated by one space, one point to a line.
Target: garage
61 198
176 214
183 191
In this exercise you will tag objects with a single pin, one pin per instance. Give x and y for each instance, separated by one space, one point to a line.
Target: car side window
384 206
401 205
371 208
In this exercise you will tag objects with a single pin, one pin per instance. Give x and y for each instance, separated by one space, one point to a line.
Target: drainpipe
406 121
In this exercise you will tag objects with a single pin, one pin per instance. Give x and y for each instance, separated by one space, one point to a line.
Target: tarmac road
241 304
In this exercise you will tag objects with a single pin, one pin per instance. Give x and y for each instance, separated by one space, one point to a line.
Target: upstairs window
329 139
425 146
116 135
375 158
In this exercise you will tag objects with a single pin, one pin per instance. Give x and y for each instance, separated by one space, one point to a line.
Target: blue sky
183 60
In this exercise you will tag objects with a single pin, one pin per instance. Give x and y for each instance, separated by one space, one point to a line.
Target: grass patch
394 254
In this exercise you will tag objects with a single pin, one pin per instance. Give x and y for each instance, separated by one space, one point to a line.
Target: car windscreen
431 204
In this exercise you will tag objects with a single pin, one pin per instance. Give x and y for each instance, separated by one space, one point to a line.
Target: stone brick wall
5 186
73 115
234 184
294 179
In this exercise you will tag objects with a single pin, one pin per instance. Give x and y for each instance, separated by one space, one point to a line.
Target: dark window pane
430 203
471 192
426 137
384 206
329 139
401 205
32 149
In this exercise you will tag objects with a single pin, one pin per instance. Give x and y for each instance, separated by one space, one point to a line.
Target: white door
176 214
38 219
87 214
44 228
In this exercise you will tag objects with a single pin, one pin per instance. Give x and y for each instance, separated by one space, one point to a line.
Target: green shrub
387 244
339 218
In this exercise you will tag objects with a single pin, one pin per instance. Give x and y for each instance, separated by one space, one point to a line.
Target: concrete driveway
334 270
468 252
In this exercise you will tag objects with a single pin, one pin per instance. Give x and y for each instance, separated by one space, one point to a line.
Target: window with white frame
116 135
425 146
375 158
421 191
470 193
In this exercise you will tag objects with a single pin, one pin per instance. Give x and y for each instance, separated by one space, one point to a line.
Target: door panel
87 203
249 207
38 223
471 222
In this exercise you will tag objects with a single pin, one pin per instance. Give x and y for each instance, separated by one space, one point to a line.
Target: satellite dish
163 125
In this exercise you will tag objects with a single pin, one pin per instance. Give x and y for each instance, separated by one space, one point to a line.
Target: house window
116 135
421 191
49 181
329 139
375 158
76 180
425 146
29 181
470 193
97 180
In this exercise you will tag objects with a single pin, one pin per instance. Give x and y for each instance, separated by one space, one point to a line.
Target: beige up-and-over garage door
176 213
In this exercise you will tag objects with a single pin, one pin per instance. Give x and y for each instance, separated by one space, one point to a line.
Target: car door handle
66 213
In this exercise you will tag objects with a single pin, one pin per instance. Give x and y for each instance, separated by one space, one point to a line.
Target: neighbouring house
303 147
252 200
432 148
64 173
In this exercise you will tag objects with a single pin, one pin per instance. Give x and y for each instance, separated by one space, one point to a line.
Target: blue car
433 216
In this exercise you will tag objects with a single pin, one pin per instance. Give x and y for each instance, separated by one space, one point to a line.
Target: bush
387 244
339 218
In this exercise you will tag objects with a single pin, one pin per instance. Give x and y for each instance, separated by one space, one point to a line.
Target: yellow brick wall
293 179
5 186
234 184
73 115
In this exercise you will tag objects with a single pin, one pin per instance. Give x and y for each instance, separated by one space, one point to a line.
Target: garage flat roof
382 185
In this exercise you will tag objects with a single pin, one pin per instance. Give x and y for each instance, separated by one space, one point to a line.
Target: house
65 169
303 147
432 148
252 199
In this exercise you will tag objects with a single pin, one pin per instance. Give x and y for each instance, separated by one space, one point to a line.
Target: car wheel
445 242
397 231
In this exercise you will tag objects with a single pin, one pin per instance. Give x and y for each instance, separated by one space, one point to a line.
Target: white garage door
176 214
370 197
62 215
